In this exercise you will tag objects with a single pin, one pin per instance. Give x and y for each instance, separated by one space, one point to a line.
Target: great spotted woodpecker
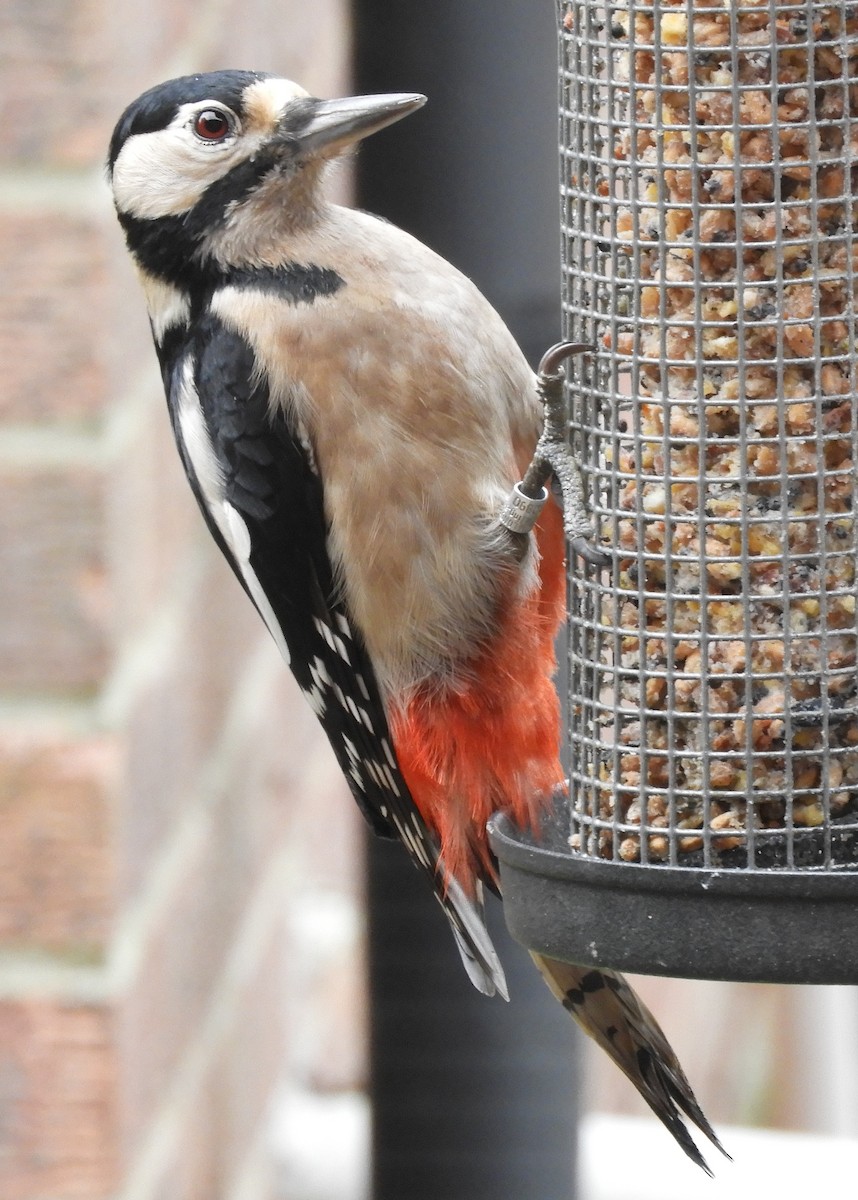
352 415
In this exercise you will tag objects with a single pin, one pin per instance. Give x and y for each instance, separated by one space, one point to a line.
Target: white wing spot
373 772
325 632
390 781
332 640
406 835
315 699
319 672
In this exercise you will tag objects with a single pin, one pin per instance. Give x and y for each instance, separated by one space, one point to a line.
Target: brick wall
178 937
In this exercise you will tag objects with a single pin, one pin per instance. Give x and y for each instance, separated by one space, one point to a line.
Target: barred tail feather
605 1006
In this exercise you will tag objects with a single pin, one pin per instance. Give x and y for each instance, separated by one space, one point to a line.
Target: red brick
222 1117
334 1045
54 591
69 67
125 341
153 523
327 982
187 950
56 852
223 633
176 719
171 993
249 1060
72 326
49 49
326 830
57 1096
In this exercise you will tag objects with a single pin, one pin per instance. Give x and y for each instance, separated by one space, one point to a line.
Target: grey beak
335 124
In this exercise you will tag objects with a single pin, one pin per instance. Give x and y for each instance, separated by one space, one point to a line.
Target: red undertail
493 742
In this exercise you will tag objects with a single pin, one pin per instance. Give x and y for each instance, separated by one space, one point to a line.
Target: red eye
212 125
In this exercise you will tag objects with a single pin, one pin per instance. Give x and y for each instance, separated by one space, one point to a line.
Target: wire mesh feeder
709 155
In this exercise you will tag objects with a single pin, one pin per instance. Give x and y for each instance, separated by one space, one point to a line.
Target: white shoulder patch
203 459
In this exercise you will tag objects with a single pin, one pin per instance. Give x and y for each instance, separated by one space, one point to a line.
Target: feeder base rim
774 926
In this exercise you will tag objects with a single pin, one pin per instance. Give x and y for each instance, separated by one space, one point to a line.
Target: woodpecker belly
419 440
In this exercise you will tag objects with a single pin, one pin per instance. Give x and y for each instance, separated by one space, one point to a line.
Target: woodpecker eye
212 125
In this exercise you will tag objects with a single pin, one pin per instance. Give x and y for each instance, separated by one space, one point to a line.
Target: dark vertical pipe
473 1098
475 173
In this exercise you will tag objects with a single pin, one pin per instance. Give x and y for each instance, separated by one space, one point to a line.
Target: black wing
255 479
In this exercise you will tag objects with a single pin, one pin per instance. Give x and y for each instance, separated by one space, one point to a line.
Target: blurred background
186 962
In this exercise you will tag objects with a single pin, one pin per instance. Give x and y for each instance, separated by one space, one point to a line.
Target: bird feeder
709 173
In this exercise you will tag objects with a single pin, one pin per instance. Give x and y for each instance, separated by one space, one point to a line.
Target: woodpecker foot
552 456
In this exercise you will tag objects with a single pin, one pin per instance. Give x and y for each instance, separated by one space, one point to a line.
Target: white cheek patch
201 453
162 174
165 173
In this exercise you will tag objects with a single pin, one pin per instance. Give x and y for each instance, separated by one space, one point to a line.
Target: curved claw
590 553
551 360
553 456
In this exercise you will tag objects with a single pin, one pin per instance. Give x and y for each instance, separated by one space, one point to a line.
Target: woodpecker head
211 171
